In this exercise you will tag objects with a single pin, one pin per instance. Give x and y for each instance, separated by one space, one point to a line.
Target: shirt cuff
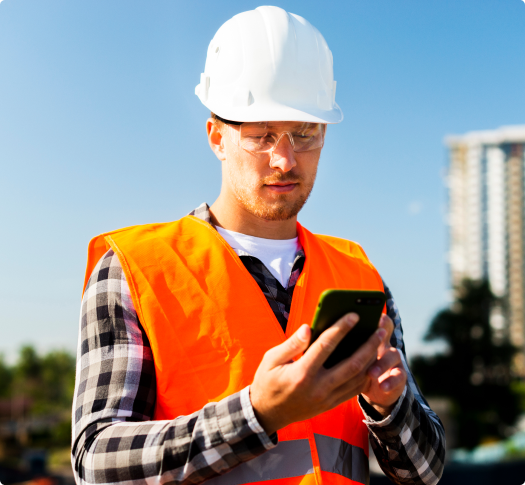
238 427
268 442
373 417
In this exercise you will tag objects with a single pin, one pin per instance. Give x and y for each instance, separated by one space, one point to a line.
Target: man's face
271 185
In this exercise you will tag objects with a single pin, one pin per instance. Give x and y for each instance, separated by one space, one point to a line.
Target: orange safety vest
209 326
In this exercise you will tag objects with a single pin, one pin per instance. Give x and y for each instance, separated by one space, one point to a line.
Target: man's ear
215 139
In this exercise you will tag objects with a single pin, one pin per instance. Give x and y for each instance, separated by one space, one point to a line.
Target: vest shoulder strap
99 245
343 245
338 246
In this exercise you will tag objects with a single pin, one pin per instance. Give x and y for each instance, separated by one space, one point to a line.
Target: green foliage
6 377
47 382
518 388
476 370
61 434
27 373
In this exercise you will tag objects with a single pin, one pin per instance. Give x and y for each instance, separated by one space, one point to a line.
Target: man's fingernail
352 318
302 334
381 333
375 371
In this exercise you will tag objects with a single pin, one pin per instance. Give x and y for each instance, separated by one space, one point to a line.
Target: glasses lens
310 137
255 137
260 137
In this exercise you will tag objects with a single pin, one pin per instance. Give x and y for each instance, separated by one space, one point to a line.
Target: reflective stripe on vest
337 456
293 459
288 459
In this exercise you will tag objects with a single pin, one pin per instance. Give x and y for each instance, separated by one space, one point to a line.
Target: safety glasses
265 136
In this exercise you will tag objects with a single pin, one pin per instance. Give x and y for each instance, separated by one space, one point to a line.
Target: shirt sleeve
114 438
410 443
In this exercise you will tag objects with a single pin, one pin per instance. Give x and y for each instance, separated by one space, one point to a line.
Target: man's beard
281 209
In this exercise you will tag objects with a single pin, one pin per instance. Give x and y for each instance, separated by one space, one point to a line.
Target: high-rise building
486 184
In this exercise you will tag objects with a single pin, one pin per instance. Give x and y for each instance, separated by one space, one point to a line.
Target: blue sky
100 129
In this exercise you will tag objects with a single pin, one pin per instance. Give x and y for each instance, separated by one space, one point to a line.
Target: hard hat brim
276 112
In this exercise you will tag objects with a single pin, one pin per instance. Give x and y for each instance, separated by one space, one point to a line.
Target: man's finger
386 323
292 347
359 361
387 361
397 378
321 349
350 389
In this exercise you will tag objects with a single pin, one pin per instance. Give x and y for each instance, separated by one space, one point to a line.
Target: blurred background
100 129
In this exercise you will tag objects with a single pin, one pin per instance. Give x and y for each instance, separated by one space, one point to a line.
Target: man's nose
283 156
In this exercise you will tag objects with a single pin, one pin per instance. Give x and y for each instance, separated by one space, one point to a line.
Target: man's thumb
294 346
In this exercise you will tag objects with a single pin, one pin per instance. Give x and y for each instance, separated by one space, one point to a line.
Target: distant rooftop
504 134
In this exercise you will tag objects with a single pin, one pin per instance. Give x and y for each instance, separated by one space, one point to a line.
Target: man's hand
388 376
284 391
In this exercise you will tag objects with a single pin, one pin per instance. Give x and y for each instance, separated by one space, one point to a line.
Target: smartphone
333 304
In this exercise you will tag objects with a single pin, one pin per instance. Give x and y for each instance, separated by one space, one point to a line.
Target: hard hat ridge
268 64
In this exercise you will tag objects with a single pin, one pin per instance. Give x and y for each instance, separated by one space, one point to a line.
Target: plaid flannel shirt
115 440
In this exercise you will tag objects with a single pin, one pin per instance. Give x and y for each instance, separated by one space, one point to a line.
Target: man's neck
234 217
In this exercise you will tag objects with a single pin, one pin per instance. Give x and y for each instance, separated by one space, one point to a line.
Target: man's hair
224 121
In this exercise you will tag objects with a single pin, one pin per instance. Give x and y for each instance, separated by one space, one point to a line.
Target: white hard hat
269 65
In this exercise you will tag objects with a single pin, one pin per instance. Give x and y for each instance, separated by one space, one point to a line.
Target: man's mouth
281 187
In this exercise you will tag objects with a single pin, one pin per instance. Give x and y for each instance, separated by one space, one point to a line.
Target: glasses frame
234 130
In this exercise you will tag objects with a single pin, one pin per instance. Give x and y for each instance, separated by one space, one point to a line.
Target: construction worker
194 361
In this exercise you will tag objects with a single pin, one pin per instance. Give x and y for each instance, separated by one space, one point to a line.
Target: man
193 355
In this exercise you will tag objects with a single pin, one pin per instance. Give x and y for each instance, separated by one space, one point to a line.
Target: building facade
486 220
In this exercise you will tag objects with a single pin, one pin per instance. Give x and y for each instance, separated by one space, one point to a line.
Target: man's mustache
282 178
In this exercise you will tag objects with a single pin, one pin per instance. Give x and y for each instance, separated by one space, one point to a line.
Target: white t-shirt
277 255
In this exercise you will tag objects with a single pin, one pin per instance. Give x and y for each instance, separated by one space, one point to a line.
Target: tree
46 383
6 376
48 380
27 375
58 377
475 372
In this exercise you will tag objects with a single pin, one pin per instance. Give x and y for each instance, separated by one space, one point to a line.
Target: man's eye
261 139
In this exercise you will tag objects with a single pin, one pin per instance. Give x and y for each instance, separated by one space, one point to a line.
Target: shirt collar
203 212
